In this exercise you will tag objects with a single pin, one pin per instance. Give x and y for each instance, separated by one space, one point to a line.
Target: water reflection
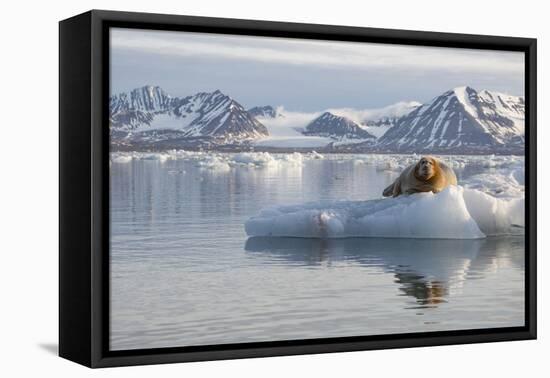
428 270
180 276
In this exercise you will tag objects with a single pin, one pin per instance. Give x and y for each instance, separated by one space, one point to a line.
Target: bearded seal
428 175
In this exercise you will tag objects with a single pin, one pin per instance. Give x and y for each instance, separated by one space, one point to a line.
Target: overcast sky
304 75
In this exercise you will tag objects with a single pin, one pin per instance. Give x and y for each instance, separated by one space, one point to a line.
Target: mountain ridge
460 120
334 126
147 115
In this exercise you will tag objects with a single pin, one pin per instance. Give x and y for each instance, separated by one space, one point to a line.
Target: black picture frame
84 188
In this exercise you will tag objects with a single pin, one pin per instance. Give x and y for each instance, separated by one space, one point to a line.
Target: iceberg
454 213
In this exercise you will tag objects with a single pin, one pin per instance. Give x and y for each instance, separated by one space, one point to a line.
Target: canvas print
268 189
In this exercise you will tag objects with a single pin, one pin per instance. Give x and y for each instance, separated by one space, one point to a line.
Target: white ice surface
406 216
121 158
455 213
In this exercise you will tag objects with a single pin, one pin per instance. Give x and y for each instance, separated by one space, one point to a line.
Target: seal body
428 175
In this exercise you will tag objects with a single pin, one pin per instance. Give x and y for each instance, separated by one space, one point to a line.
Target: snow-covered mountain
215 114
148 115
137 108
382 122
460 120
330 125
378 120
266 111
146 99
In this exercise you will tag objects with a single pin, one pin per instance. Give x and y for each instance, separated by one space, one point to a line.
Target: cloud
288 122
291 120
362 115
326 54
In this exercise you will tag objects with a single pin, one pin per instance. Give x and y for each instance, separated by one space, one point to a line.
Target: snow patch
360 116
463 96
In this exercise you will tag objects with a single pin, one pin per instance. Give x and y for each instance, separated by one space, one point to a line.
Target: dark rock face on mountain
137 108
147 117
215 114
130 119
264 112
382 122
460 120
147 99
330 125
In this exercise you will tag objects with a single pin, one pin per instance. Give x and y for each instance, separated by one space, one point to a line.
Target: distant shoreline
323 150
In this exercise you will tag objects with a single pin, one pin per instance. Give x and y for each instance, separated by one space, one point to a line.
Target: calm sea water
183 271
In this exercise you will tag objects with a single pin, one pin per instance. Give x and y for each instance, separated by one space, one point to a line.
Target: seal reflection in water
429 275
428 175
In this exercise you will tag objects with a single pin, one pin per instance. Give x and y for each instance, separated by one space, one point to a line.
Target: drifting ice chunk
121 158
214 163
496 216
255 159
509 184
423 215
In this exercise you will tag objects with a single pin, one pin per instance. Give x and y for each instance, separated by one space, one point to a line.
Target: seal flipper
388 192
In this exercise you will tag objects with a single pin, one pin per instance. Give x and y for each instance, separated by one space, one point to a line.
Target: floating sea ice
422 215
316 155
506 184
214 163
518 174
255 159
265 159
147 156
455 162
295 159
121 158
496 216
389 165
164 157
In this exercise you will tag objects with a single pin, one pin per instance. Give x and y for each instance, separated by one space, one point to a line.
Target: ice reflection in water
426 270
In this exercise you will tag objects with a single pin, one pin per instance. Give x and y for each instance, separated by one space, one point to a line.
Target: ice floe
503 184
455 213
121 158
221 160
214 163
390 163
